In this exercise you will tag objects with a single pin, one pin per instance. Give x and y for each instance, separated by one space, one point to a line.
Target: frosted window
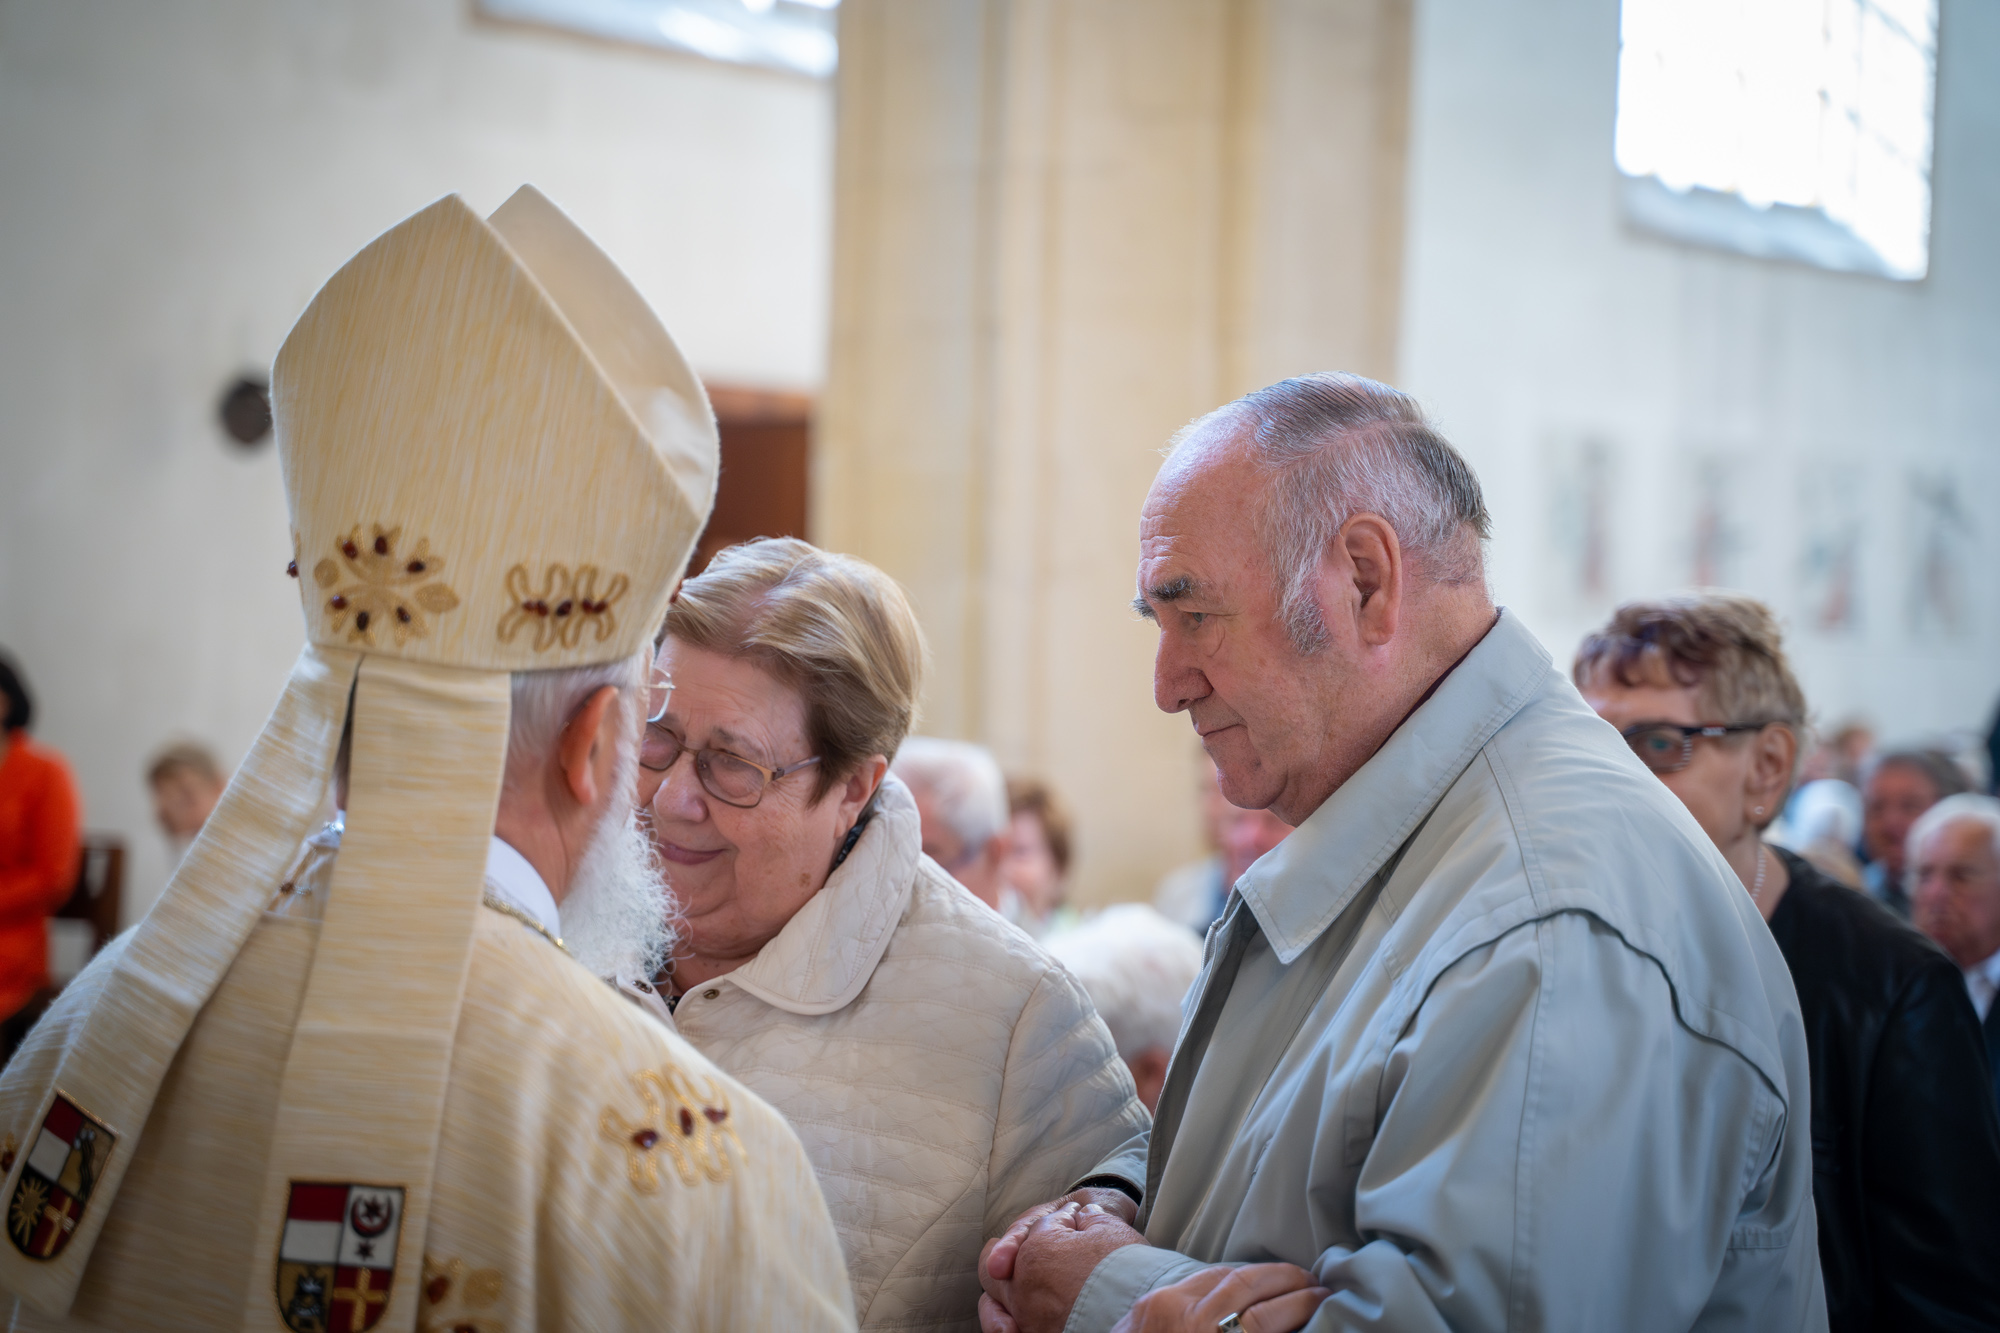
795 35
1788 106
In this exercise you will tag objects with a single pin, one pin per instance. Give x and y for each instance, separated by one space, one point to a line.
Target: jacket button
710 993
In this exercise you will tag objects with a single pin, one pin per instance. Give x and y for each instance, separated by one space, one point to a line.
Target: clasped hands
1033 1273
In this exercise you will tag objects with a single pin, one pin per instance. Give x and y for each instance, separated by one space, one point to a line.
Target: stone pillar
1064 228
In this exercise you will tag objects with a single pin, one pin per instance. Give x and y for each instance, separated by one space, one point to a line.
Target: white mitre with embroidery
403 1111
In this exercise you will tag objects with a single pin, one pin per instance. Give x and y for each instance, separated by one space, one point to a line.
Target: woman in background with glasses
942 1071
1906 1140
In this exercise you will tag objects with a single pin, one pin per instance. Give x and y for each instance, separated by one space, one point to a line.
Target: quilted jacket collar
828 950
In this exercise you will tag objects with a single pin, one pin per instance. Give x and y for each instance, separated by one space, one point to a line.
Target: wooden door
766 442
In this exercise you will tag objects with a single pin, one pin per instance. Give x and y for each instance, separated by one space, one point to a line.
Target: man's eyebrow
1172 590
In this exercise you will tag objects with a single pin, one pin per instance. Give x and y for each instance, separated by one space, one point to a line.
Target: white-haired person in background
1137 966
962 801
1954 855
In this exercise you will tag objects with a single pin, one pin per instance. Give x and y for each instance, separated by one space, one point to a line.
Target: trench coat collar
1296 889
825 954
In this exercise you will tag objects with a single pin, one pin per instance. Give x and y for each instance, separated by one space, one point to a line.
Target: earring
1758 810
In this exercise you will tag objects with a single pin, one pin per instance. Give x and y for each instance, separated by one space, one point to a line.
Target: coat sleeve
1067 1102
37 882
1552 1150
1932 1158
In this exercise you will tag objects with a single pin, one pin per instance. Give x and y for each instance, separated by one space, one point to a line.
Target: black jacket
1905 1132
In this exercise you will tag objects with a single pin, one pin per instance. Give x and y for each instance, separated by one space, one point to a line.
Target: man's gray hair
1136 966
545 701
963 782
1335 445
1970 806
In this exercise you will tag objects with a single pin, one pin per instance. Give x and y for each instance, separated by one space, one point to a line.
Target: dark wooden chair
100 887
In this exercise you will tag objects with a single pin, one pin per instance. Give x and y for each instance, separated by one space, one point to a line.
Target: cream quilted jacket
942 1071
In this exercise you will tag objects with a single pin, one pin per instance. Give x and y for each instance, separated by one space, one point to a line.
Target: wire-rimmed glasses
729 778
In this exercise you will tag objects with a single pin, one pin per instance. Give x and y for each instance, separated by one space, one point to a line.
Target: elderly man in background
1899 787
186 784
962 800
1955 851
1136 966
1494 1039
1195 894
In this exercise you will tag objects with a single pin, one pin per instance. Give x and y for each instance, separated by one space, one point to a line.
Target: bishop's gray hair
1335 445
545 701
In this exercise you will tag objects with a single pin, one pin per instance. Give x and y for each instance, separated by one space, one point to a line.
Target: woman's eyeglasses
729 778
1667 747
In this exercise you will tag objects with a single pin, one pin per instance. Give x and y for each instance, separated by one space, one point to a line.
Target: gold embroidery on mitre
562 606
691 1126
381 588
451 1291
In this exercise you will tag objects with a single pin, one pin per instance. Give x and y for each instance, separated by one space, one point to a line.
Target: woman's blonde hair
836 629
1725 645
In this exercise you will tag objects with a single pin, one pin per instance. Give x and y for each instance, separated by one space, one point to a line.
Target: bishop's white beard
617 918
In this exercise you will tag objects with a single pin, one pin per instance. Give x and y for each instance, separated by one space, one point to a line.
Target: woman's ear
1775 750
861 786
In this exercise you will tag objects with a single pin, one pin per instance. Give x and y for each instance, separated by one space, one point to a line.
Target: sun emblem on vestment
562 606
373 587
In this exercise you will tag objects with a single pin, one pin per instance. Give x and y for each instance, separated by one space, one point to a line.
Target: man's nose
1177 682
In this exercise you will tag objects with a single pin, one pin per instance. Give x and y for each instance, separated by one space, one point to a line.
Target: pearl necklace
1757 885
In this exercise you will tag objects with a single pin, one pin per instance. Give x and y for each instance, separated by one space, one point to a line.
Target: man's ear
1374 561
588 748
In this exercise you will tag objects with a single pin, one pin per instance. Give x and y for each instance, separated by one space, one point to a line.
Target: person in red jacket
39 850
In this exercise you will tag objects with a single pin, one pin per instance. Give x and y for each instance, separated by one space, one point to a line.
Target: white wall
176 180
1796 411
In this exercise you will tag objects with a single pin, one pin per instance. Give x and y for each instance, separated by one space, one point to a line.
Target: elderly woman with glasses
943 1071
1906 1143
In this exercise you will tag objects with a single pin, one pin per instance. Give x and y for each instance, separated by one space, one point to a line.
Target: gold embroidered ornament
691 1127
562 606
380 589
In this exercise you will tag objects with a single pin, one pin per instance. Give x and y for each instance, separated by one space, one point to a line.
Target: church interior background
956 269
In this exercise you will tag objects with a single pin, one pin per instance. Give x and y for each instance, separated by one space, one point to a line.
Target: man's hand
998 1259
1049 1264
1267 1298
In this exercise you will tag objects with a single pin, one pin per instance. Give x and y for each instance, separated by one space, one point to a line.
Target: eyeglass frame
1712 730
703 757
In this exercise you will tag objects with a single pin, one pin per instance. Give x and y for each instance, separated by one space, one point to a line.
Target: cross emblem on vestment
360 1297
64 1220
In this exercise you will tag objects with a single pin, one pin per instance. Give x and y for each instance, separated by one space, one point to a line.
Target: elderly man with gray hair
962 800
1954 858
1494 1039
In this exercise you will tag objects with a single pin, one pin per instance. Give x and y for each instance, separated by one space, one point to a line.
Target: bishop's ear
587 752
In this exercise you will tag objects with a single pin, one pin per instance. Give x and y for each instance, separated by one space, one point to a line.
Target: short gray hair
1971 806
963 781
1136 967
1334 445
545 701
